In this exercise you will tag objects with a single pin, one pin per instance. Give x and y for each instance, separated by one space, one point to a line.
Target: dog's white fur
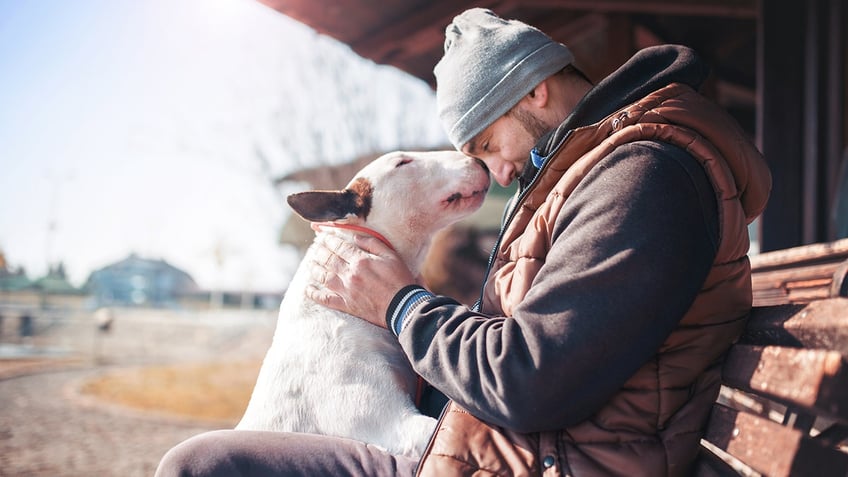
330 373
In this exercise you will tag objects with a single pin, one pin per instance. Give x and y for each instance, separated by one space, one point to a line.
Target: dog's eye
403 162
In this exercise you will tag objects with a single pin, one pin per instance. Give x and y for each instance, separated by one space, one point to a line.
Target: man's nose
503 176
500 169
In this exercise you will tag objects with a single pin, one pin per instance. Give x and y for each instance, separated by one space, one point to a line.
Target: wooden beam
417 31
836 121
715 8
575 30
780 81
413 33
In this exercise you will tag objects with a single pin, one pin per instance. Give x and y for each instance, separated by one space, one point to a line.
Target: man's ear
538 97
325 205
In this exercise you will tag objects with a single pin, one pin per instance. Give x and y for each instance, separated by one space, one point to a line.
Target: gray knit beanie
489 65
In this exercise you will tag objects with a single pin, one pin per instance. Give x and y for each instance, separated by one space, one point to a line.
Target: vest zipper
513 205
432 440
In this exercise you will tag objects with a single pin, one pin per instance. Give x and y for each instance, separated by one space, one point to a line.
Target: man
619 280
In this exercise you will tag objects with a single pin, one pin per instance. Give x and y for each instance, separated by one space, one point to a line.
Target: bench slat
795 257
713 462
790 365
820 324
771 448
816 380
801 285
801 274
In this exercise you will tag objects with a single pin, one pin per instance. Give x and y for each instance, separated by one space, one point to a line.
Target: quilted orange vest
652 426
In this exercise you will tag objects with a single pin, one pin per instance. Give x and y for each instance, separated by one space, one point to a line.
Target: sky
132 126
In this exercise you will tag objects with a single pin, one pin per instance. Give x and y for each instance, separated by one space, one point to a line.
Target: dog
331 373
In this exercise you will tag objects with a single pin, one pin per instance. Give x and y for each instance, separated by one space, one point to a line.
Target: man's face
505 145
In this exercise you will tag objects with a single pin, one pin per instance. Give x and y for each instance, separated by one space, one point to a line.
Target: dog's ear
328 205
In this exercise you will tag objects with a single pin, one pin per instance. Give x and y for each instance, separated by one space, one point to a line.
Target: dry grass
215 391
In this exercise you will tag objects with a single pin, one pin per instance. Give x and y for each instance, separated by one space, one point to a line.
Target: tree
338 106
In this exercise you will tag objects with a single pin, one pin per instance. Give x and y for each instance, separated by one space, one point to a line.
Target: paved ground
47 429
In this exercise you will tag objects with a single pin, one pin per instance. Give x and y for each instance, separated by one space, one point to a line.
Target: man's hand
358 278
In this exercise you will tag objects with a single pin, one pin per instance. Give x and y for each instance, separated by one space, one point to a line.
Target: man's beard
534 126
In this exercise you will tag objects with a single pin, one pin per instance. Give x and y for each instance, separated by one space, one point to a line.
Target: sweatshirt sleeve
631 248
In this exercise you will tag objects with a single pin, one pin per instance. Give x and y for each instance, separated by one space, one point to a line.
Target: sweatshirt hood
648 70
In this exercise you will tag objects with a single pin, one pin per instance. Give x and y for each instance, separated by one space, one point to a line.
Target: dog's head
405 196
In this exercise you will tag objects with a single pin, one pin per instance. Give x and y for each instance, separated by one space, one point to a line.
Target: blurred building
56 282
136 281
12 278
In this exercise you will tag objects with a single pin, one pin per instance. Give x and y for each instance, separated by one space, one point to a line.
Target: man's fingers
334 244
373 245
331 254
322 275
325 297
349 252
323 256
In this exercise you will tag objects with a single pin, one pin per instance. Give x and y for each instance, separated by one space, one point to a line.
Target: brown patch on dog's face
364 192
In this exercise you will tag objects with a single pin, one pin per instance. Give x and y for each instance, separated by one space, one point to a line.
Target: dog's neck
360 228
412 254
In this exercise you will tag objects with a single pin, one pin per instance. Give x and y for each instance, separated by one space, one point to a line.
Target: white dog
334 374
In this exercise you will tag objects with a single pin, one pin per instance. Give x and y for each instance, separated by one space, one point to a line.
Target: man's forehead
470 147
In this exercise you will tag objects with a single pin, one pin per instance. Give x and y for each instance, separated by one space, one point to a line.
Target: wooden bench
800 274
783 407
